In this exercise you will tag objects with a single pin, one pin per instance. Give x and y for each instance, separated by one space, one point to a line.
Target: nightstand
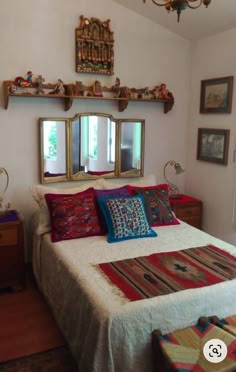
12 267
188 209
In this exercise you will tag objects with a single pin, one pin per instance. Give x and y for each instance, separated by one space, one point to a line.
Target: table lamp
173 189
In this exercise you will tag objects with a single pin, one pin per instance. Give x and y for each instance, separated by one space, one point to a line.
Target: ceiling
194 24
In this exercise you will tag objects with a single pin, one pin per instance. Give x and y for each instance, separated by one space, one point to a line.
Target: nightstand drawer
188 211
194 221
8 236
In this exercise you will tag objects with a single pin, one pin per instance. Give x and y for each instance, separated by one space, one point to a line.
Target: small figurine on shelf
155 92
78 90
59 88
146 93
12 89
29 77
40 81
163 92
97 89
116 88
21 82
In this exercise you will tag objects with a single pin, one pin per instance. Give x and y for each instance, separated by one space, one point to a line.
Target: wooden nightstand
188 209
12 267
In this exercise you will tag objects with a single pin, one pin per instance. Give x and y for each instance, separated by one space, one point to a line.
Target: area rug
164 273
56 360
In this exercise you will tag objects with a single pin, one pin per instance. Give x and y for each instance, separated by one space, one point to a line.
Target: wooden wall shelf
71 94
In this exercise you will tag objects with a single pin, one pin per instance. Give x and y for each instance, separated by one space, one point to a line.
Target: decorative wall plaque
94 46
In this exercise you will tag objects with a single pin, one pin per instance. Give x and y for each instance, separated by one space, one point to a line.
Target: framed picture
213 145
216 95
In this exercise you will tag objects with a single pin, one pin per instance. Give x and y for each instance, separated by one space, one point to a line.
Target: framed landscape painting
216 95
213 145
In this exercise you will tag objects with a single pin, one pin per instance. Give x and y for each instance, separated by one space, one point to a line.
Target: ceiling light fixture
179 5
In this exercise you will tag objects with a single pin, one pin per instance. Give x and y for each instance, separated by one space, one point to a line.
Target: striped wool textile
164 273
183 349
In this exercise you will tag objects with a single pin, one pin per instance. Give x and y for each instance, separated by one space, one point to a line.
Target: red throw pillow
73 215
157 204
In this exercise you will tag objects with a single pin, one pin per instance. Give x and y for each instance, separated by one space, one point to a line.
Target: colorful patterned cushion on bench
183 349
228 324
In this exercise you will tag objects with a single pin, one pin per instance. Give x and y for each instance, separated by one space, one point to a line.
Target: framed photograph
216 95
213 145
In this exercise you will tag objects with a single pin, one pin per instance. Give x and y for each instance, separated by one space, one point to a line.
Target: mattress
105 331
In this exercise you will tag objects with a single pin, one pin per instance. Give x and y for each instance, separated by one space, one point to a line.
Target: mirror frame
69 176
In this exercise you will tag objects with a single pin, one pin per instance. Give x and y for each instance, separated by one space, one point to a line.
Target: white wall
213 57
39 36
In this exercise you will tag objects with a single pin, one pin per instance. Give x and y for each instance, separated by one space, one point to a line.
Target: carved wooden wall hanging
94 46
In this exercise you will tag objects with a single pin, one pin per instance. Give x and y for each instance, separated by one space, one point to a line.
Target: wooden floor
26 323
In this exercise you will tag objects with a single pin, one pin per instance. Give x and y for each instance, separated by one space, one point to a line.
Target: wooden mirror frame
119 172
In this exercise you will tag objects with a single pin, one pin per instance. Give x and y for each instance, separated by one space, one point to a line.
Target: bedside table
12 266
188 209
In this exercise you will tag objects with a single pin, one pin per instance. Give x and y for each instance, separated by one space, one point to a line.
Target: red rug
164 273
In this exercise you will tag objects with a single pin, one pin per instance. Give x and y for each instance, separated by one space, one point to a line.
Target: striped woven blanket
164 273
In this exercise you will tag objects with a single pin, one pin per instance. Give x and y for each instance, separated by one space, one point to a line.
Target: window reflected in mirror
54 154
131 140
93 145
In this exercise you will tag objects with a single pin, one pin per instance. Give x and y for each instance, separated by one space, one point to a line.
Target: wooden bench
183 349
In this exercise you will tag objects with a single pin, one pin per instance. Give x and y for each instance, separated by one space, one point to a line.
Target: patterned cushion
73 215
181 350
39 191
119 191
157 204
125 218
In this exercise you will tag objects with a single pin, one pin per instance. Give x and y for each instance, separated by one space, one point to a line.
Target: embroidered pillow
157 204
125 218
39 191
73 215
119 191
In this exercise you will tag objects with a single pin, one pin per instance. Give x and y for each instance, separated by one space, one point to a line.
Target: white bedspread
106 332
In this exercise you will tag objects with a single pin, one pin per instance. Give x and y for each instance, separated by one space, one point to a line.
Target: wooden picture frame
213 145
216 95
94 51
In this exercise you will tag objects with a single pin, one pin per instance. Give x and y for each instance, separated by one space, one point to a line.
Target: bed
106 331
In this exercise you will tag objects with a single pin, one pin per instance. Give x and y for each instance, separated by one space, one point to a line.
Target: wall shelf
72 93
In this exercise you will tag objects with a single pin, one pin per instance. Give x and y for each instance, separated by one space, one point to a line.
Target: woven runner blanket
164 273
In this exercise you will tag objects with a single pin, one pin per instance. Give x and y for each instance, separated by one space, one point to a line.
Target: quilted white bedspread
106 332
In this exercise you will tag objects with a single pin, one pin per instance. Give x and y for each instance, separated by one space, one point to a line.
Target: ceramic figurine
40 81
97 89
163 92
59 88
116 88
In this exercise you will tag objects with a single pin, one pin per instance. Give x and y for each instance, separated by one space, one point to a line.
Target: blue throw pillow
125 218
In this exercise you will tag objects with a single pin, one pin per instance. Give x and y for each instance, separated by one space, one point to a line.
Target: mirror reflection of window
111 142
98 144
92 136
50 140
54 139
131 133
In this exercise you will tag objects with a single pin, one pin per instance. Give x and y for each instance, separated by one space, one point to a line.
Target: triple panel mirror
90 145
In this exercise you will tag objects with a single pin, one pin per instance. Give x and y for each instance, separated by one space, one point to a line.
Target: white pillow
38 192
149 180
